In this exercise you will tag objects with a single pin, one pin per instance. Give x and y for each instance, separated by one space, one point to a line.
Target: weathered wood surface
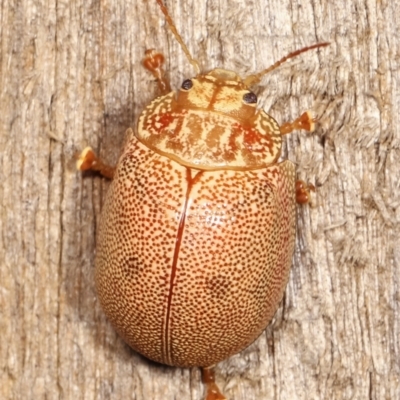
71 76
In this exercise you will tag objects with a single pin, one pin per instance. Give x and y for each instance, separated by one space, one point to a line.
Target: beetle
197 231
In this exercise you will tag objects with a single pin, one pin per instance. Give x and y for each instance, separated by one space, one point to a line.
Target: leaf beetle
197 232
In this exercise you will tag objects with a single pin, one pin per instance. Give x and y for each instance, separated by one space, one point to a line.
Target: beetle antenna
178 37
251 80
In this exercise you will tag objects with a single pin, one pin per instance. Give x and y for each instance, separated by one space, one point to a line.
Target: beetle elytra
197 232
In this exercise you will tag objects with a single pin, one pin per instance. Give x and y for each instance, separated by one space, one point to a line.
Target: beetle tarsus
153 61
303 192
213 392
305 122
88 161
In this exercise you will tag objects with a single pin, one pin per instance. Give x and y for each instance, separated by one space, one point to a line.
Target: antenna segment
252 80
178 37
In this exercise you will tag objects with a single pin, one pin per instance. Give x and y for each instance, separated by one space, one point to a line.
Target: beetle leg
213 392
153 62
88 161
303 192
305 121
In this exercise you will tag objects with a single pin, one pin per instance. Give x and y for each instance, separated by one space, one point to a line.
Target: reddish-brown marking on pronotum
251 136
160 119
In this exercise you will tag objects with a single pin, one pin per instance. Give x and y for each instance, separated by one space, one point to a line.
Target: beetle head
220 91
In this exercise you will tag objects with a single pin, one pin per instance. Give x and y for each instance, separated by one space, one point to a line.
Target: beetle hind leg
305 121
88 161
208 377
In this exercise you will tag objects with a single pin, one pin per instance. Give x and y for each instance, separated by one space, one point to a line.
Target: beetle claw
305 122
303 192
153 62
213 392
88 161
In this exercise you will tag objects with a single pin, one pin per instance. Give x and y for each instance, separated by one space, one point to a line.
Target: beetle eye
187 84
250 98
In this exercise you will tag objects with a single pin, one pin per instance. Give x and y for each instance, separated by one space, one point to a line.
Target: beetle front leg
305 121
153 62
88 161
208 377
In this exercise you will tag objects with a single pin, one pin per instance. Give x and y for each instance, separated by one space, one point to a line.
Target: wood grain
71 76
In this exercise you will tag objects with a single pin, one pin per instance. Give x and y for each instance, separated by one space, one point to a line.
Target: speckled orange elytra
197 232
